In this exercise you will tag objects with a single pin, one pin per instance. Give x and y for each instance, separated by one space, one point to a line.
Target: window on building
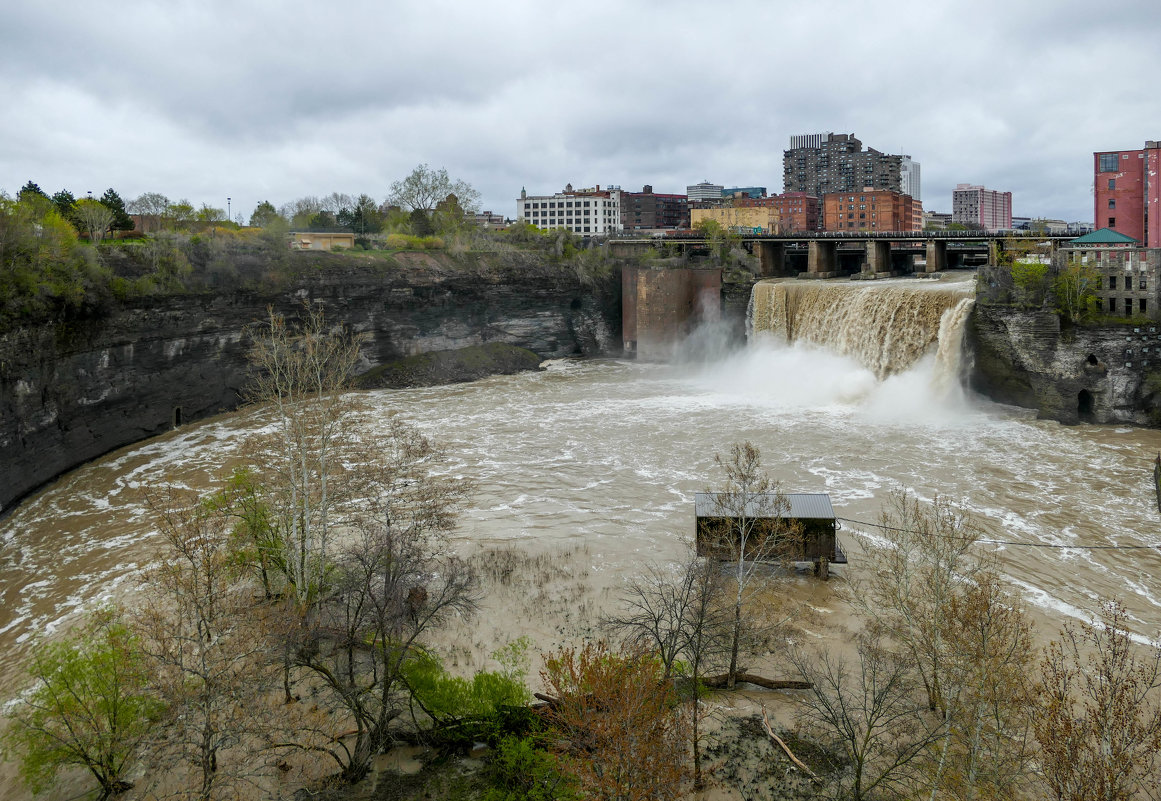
1112 203
1141 306
1112 282
1143 282
1112 183
1108 162
1128 305
1112 222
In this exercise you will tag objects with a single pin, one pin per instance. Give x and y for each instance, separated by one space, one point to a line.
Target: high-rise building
909 183
987 208
818 164
582 211
1127 192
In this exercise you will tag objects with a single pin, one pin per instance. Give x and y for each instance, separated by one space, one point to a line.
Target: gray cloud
269 100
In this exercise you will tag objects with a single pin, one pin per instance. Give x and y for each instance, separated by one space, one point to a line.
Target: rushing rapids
887 328
602 458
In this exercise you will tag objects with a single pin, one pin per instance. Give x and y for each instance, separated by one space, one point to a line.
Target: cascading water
887 328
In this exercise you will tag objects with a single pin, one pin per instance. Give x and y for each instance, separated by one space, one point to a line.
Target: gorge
601 457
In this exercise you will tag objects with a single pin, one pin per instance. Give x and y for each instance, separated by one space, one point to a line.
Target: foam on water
609 453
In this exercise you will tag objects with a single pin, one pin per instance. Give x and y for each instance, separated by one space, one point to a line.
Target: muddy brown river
603 457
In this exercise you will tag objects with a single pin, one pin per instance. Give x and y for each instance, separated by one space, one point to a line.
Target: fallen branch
798 762
722 681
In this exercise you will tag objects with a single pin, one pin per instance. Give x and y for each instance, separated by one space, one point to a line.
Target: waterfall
885 327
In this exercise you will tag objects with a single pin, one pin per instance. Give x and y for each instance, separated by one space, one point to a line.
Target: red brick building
798 212
1127 196
871 210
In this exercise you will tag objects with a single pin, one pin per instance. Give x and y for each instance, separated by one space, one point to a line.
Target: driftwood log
722 681
798 762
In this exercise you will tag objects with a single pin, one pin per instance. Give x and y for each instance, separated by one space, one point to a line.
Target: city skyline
260 103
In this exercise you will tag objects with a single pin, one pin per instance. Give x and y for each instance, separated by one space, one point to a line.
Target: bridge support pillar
821 259
878 258
772 258
995 251
936 256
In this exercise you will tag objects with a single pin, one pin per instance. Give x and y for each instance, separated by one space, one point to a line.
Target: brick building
871 210
1130 275
645 210
1127 192
988 208
797 212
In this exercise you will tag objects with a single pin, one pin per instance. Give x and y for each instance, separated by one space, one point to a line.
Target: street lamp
229 216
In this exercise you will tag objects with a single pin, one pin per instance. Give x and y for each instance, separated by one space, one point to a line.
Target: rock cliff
71 391
1097 374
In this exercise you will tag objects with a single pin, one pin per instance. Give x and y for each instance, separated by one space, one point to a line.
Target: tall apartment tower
985 207
1127 192
819 164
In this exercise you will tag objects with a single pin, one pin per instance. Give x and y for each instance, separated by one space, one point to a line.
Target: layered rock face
1099 374
70 392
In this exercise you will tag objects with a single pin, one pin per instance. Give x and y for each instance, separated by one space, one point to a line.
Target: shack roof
804 505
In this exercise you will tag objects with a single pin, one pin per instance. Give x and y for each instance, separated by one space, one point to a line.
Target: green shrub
520 770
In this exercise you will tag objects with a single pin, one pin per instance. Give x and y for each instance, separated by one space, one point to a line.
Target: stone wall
70 392
1098 374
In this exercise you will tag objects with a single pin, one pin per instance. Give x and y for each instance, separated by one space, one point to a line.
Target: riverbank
72 391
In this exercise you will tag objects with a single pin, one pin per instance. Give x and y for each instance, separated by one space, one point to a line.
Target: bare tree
685 618
987 748
424 188
302 375
1099 721
96 218
914 579
390 591
152 206
752 528
870 713
210 663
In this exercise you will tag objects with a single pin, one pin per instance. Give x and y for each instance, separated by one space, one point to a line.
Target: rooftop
1104 236
812 506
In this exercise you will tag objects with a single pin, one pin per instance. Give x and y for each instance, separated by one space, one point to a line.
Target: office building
582 211
987 208
704 191
648 210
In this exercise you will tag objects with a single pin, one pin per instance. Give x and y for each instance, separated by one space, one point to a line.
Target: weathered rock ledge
1095 374
72 391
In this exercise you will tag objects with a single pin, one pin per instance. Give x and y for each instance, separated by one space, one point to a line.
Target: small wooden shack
803 524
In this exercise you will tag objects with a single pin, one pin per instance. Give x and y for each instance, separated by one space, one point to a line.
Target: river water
605 456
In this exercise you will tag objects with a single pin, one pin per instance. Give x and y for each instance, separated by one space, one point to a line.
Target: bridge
869 254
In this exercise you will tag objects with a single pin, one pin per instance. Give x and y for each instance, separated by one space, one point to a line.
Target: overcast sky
276 100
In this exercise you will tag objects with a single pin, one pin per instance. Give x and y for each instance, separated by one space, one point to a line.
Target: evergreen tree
66 206
121 219
30 190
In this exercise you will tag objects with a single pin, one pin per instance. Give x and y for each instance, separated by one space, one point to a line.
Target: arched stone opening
1085 403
